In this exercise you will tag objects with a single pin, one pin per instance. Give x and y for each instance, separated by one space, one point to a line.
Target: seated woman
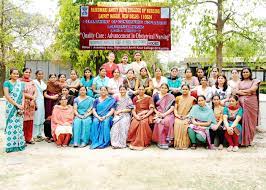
61 122
131 83
158 80
164 102
140 133
182 107
202 118
114 83
87 81
122 118
231 118
174 82
83 120
217 130
145 81
73 83
103 110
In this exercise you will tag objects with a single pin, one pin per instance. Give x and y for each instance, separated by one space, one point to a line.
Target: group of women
123 106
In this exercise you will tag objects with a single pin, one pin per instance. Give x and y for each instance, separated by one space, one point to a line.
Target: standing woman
204 90
218 129
199 73
222 89
123 66
73 83
138 64
158 80
174 82
99 81
214 76
121 120
87 81
131 83
231 117
50 98
145 81
202 118
249 100
61 122
65 92
190 80
30 94
110 66
103 110
140 133
233 83
182 107
39 115
62 80
114 83
83 120
164 102
13 91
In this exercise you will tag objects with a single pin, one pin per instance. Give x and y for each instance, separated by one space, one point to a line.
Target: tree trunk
219 38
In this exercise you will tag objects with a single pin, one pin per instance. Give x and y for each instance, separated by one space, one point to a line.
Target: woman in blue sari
87 81
103 110
13 90
83 120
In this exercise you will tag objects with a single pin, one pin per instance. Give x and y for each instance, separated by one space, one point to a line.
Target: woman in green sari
13 91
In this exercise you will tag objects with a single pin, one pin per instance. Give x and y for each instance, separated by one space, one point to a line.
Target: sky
180 51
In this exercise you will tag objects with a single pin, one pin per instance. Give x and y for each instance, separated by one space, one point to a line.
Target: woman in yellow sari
182 107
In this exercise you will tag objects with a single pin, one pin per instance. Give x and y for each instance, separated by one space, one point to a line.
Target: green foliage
66 46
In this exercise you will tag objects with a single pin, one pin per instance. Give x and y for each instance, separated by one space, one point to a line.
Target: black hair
215 95
65 87
26 68
37 72
87 69
52 74
187 85
122 86
202 96
61 74
165 84
115 70
131 70
83 87
235 97
104 87
188 69
225 82
12 70
101 68
158 68
246 68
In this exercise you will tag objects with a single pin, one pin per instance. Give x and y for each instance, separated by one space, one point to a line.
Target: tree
218 22
17 31
66 46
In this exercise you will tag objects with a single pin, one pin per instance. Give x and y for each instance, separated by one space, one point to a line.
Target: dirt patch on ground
44 167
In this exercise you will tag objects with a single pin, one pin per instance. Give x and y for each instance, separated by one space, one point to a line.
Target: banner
125 28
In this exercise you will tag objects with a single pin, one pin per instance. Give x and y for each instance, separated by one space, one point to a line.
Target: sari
53 88
121 123
29 109
39 115
202 114
250 105
140 133
61 116
181 138
88 85
163 132
100 130
82 126
15 140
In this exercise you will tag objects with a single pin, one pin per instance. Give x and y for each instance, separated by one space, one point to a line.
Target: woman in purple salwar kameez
249 101
163 133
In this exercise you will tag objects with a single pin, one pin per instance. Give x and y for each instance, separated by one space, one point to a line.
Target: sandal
193 146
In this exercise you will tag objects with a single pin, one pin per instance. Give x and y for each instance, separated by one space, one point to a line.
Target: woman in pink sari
249 101
61 122
163 133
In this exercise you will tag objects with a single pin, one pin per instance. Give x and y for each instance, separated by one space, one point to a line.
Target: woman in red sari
249 101
163 133
30 94
140 133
